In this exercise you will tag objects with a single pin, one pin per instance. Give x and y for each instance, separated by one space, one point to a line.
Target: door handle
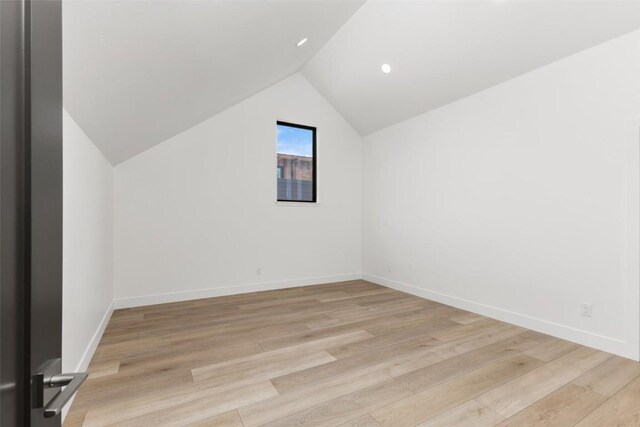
47 379
71 383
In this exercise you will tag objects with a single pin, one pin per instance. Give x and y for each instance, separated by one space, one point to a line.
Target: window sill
298 204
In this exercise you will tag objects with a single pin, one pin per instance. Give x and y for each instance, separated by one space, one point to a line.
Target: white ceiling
139 72
441 51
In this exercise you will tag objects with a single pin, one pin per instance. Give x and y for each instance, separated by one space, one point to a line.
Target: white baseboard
600 342
83 364
95 339
143 300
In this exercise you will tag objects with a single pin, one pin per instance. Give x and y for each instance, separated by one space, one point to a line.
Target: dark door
33 389
45 210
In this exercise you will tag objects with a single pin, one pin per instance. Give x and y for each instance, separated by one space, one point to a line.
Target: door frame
13 214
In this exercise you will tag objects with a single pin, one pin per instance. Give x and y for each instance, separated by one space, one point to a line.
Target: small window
296 163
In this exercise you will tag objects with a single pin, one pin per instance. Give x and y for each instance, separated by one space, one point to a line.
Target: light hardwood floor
344 354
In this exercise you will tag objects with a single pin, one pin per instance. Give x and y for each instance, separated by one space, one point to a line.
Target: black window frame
314 175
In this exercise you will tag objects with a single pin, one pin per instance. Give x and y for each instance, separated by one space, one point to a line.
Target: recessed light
301 42
386 68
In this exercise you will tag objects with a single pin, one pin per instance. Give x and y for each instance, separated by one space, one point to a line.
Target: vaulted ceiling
140 72
441 51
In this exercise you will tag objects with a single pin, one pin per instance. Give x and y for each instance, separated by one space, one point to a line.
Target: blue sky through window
296 141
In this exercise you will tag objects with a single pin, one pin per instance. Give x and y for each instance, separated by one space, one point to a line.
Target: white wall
87 246
520 202
196 216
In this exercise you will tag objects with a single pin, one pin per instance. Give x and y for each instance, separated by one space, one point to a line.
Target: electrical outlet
258 271
586 309
389 269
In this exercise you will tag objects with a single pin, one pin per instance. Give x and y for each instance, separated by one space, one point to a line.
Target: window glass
296 163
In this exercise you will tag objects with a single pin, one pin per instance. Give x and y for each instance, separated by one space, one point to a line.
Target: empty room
379 213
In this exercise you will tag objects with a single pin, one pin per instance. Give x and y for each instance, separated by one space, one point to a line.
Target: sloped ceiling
139 72
441 51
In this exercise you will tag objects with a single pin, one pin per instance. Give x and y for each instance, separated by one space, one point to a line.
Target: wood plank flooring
344 354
